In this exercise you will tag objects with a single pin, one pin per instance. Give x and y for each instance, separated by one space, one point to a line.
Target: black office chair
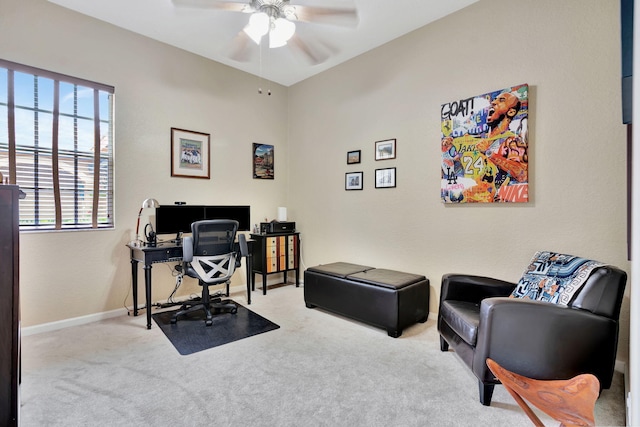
210 257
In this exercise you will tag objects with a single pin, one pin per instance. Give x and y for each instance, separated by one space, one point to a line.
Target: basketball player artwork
484 148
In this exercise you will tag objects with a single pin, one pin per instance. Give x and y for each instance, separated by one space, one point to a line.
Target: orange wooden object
569 401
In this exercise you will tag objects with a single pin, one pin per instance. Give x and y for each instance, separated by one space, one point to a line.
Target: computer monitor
175 219
242 214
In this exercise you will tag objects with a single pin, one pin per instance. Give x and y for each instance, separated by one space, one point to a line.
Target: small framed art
263 161
386 149
190 154
353 181
386 178
353 157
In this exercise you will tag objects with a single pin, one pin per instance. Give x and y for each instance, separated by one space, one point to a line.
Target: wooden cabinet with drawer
275 253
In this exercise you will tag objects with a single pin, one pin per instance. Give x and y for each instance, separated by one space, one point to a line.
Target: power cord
175 271
179 274
303 265
124 302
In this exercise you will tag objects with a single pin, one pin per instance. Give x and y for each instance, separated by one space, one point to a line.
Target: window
56 143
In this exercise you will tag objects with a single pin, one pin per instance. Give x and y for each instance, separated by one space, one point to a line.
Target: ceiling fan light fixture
258 26
281 32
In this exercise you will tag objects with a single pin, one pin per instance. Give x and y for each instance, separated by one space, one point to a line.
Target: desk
164 252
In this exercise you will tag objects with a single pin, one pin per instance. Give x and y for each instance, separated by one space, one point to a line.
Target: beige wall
70 274
569 54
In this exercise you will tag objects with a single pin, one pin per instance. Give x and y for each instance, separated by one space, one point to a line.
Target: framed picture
484 143
386 149
386 178
353 157
190 154
353 181
263 161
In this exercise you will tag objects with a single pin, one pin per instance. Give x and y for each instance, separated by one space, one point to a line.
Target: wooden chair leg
569 401
527 410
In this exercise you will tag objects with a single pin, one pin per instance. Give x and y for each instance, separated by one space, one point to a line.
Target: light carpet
318 369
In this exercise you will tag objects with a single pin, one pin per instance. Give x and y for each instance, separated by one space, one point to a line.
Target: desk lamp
148 203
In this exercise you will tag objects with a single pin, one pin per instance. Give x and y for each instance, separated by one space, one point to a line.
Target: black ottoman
388 299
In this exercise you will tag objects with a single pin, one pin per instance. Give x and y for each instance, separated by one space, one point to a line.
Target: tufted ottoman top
386 278
339 269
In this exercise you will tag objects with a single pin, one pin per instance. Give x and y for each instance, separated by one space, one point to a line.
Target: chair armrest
465 287
187 249
243 249
544 340
242 242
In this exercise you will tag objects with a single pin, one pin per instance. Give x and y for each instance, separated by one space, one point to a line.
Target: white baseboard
627 391
95 317
620 366
66 323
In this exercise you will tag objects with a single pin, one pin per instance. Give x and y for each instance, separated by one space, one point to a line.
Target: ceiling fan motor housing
274 8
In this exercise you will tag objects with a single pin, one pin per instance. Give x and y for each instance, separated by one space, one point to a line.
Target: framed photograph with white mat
386 150
353 181
386 178
190 154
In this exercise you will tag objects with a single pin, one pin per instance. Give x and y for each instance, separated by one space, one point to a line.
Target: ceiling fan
275 21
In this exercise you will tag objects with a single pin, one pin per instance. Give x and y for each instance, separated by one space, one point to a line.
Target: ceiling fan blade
240 48
312 53
230 5
325 15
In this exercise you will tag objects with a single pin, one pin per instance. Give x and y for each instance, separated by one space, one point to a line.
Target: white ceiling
209 32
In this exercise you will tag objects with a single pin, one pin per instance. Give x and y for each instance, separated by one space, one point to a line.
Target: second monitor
175 219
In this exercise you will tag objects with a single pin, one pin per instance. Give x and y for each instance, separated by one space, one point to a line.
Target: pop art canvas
485 148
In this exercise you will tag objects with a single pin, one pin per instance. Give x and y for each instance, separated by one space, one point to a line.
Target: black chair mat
190 335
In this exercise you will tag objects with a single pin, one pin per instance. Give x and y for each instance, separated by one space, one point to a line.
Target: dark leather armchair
536 339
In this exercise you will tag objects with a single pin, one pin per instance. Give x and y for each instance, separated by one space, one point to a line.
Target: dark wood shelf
9 305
